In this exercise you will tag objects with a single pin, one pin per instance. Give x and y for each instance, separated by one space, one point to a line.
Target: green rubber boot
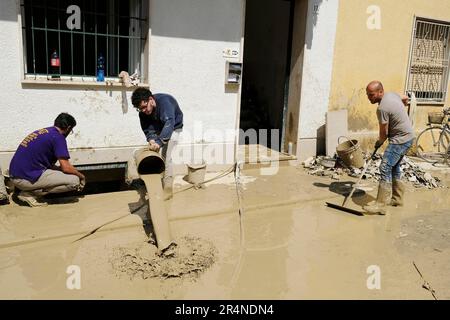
398 190
383 198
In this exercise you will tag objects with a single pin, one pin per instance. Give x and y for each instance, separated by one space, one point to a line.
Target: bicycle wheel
447 157
432 143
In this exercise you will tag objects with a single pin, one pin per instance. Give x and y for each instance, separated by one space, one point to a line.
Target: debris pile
335 168
419 177
189 257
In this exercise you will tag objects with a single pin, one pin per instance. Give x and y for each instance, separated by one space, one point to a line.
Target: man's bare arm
68 168
382 135
383 132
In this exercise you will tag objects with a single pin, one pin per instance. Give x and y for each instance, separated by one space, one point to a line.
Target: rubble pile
419 177
335 168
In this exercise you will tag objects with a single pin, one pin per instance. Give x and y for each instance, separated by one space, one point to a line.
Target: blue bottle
100 68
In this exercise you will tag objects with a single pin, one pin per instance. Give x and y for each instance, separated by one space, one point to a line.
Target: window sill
108 84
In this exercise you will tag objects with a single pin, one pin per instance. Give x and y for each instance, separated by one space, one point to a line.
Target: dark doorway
266 67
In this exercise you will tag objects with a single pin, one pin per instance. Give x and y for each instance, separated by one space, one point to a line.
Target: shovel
343 207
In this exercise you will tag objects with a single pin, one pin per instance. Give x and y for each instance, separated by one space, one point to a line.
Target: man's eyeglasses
68 133
142 106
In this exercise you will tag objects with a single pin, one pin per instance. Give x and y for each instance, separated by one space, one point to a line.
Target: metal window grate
429 61
116 29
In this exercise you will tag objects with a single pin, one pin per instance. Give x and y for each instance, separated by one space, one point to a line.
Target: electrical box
233 72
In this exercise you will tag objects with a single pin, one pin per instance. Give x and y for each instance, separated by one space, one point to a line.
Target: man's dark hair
140 94
65 120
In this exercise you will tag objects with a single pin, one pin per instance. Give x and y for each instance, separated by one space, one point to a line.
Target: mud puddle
189 258
425 232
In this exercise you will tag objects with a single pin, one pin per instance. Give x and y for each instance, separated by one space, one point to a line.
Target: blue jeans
392 158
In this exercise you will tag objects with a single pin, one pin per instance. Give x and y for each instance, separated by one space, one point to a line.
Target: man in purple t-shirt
33 170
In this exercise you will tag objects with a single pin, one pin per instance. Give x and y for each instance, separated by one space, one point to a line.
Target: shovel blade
342 208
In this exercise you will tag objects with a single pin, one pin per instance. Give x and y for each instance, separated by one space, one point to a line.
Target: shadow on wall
197 19
313 12
8 10
189 18
173 15
321 140
208 19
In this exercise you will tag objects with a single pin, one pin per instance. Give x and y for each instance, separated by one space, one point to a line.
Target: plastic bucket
350 152
196 173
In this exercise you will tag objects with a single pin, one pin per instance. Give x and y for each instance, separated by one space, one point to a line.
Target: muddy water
158 213
290 252
311 251
190 257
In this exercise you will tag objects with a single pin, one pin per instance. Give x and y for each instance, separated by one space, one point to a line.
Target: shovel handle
360 177
374 153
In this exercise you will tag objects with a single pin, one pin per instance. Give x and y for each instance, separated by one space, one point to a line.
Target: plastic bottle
55 65
100 68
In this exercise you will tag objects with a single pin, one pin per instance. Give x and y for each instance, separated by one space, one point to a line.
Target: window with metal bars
113 29
429 60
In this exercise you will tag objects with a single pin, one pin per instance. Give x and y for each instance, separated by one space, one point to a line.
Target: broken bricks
334 168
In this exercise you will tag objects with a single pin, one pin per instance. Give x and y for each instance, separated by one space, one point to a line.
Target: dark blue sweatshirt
164 119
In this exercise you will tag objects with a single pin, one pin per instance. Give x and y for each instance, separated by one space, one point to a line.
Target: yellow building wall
362 55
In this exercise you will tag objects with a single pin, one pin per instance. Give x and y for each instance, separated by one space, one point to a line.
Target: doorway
266 68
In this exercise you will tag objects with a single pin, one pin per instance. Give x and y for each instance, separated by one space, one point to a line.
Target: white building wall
187 61
186 43
101 120
317 74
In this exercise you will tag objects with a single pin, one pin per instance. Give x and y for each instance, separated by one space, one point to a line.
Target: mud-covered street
286 245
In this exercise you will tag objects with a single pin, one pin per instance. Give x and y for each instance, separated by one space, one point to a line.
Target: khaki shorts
51 181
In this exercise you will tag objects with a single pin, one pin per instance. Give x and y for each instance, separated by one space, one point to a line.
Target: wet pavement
286 245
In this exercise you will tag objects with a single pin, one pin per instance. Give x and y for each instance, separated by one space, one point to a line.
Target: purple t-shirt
37 153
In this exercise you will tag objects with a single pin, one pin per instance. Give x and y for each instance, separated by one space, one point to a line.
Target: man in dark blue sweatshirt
162 121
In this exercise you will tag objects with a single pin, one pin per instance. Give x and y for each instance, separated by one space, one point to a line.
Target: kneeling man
32 168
